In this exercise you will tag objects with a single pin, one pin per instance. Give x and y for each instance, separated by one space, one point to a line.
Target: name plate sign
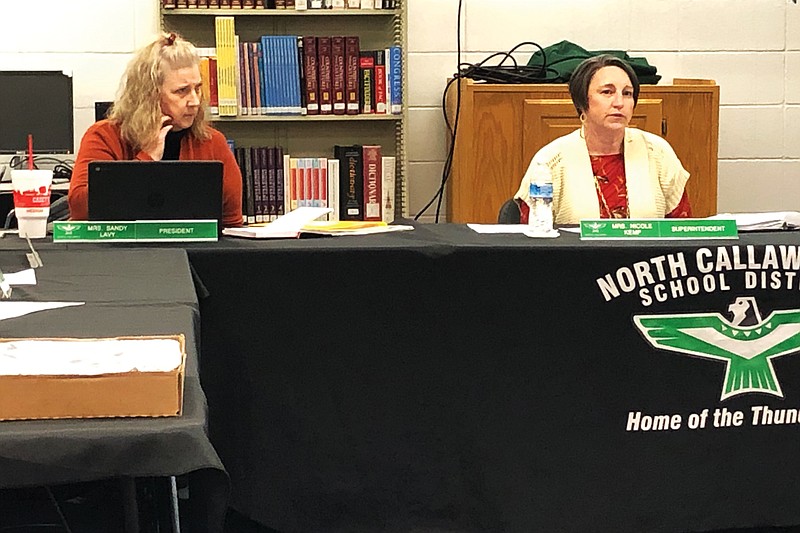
136 231
670 228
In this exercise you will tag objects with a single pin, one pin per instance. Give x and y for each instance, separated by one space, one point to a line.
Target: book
295 184
325 70
388 169
367 72
280 189
213 97
293 70
333 189
252 201
301 67
338 75
271 181
245 102
226 66
311 74
380 82
352 80
351 182
371 156
396 79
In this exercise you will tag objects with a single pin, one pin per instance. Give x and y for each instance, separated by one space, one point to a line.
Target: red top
612 190
103 142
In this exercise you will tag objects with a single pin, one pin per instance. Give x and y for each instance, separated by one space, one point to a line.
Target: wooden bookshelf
313 135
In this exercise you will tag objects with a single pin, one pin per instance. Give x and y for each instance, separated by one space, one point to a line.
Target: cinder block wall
752 50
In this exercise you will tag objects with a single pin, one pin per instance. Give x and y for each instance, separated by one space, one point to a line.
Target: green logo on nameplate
137 231
671 228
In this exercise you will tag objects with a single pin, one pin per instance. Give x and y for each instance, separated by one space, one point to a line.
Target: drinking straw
30 151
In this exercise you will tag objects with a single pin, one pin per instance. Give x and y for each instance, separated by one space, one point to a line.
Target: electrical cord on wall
500 73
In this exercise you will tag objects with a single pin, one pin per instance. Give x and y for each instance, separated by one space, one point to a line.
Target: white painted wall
750 47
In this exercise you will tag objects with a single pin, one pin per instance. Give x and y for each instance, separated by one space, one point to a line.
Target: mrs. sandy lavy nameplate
650 228
136 231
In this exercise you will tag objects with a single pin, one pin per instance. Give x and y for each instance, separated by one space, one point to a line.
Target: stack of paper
302 220
774 220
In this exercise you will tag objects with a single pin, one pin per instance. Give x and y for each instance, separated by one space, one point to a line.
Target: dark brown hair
582 77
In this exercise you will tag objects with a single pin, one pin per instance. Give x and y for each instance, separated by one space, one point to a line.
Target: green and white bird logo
746 343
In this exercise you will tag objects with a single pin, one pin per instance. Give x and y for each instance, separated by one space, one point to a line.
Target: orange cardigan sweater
103 142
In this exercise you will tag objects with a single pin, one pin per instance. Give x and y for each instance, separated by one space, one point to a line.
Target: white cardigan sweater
655 177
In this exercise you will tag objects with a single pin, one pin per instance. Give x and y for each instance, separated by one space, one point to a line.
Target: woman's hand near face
156 148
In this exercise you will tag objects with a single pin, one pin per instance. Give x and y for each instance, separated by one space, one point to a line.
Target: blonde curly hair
137 109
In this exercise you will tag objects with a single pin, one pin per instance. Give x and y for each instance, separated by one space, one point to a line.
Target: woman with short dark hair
606 169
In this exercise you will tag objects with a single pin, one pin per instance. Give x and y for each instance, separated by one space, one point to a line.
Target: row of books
299 75
358 182
298 5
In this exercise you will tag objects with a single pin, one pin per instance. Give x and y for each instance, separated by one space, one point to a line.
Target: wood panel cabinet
500 127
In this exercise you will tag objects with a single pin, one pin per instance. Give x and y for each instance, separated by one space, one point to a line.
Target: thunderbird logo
746 343
69 228
595 226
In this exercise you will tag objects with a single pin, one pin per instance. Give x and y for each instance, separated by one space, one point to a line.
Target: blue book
270 79
396 79
295 102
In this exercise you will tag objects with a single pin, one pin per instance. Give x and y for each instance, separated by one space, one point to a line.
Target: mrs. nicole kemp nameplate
136 231
671 228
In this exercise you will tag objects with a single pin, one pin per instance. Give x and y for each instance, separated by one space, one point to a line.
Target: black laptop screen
155 190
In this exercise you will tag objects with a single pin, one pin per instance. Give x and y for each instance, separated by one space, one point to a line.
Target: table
131 292
445 380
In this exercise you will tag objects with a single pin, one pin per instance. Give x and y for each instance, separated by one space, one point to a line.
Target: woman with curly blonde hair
159 114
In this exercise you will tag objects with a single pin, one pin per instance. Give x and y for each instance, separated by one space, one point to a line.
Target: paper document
498 228
285 226
763 221
88 357
303 220
23 277
17 309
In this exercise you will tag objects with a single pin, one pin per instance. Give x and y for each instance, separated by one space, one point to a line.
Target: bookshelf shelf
282 12
310 118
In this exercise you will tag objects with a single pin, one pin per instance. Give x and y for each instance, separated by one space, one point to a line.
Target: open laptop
155 190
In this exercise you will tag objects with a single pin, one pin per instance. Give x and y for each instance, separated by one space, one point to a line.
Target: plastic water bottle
540 201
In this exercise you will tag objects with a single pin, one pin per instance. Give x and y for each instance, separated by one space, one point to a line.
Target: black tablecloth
131 292
445 380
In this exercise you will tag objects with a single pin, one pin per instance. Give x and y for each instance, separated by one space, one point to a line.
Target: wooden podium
500 127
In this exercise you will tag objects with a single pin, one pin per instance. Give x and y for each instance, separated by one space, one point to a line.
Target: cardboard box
127 394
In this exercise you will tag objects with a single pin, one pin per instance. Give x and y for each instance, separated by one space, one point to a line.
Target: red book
380 82
367 71
213 4
311 74
169 4
352 84
213 97
325 72
372 182
182 4
338 75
